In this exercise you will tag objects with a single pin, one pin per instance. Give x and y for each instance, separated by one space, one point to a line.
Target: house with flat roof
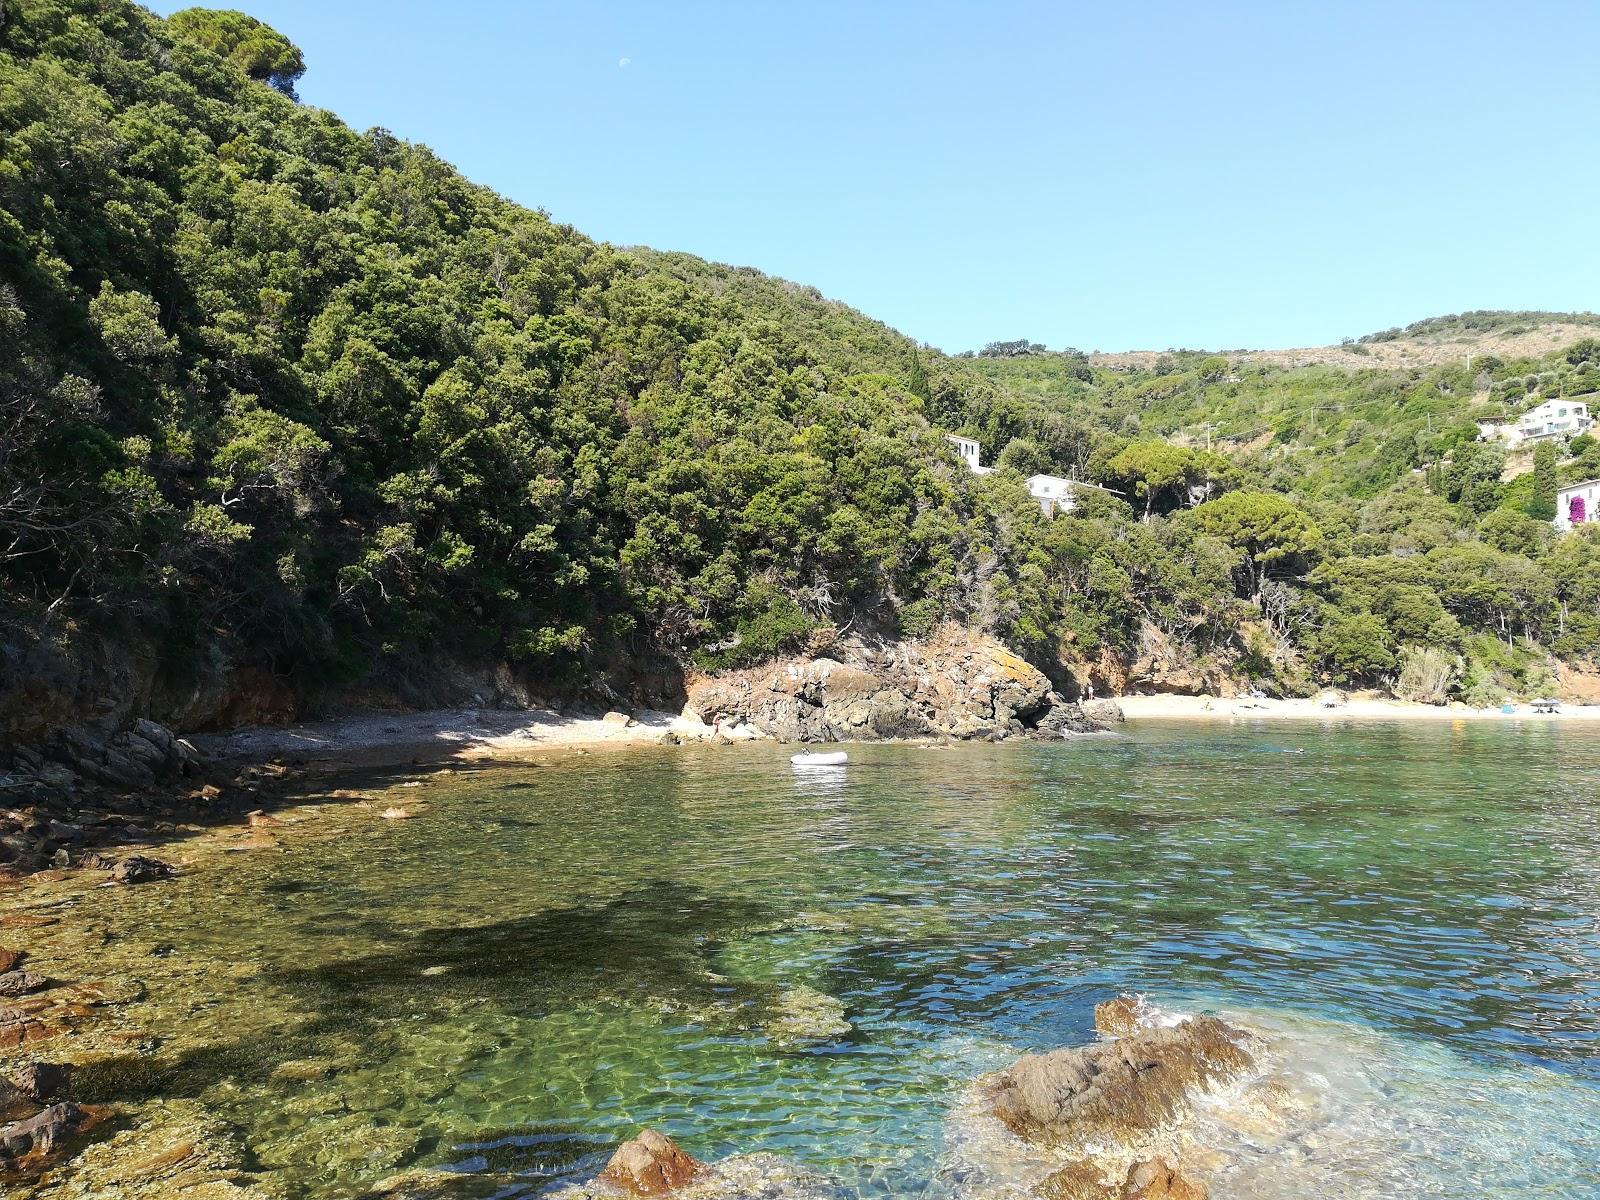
1552 419
1053 493
969 451
1577 504
1056 494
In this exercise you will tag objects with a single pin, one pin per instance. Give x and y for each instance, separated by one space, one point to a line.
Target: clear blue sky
1109 176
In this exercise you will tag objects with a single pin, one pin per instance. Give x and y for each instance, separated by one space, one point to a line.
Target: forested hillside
279 394
1377 520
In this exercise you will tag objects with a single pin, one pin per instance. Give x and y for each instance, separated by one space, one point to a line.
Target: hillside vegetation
281 394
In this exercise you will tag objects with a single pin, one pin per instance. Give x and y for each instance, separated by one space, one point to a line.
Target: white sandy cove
464 732
1211 708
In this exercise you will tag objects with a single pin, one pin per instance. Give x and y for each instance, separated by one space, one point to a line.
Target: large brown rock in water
1155 1180
1152 1179
649 1165
1117 1091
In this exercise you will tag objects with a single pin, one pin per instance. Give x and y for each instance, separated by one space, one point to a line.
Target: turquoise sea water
548 957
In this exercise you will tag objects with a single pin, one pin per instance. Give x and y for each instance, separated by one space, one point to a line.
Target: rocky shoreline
1110 1120
78 788
955 685
101 805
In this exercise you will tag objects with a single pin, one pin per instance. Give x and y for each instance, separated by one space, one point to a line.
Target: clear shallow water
550 957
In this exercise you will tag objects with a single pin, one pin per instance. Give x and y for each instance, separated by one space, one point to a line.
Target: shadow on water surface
646 949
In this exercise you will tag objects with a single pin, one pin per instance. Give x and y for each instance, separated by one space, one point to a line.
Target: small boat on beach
830 758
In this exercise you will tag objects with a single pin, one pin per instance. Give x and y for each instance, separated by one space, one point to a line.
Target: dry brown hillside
1425 350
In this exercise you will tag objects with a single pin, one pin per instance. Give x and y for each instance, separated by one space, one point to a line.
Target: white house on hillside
1056 494
1053 493
1553 418
969 451
1577 505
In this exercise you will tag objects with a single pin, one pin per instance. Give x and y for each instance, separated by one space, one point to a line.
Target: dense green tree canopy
258 50
271 384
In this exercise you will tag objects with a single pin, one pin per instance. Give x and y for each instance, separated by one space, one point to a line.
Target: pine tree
1543 504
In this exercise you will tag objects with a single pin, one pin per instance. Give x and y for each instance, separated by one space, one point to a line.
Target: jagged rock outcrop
136 757
956 684
1118 1091
650 1165
1107 712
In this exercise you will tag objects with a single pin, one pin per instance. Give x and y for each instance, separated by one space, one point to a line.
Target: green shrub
773 624
1480 688
1354 648
1426 674
919 618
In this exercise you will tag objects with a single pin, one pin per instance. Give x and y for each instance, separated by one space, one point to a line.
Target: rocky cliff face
956 684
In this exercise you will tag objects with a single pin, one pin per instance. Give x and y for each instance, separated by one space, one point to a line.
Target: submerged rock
139 869
1119 1091
805 1016
741 1177
22 983
649 1165
28 1145
172 1148
19 1029
1082 1180
40 1081
1153 1179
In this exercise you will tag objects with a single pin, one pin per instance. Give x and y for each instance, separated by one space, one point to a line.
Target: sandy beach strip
1357 708
438 733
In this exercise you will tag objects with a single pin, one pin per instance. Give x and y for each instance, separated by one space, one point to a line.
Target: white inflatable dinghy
832 758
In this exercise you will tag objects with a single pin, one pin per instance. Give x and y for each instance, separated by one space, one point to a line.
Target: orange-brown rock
29 1145
1117 1091
650 1165
1077 1181
26 1031
1117 1018
1155 1180
10 958
1152 1179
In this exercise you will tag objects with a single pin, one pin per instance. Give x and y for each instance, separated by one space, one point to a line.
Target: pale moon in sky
622 62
